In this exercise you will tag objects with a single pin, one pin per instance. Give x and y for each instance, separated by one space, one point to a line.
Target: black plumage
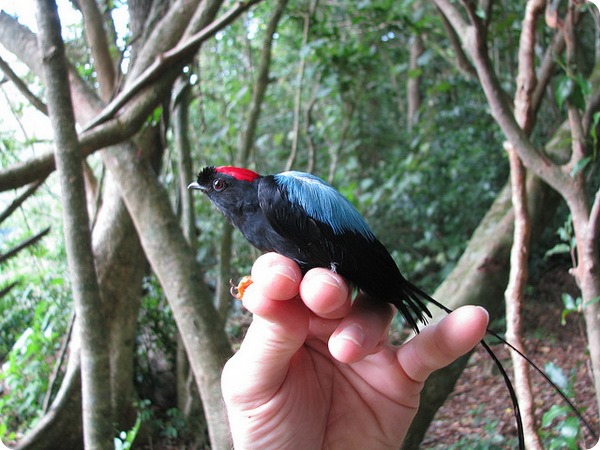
298 215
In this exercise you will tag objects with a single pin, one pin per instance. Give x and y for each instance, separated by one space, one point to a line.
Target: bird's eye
219 185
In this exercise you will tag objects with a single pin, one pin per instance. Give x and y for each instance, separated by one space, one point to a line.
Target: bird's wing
287 218
319 201
314 217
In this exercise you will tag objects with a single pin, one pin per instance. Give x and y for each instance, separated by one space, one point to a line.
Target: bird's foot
238 290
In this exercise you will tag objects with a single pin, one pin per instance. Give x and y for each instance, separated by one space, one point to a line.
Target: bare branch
546 70
453 16
307 16
98 43
177 56
19 200
5 290
109 133
26 172
526 77
474 44
23 245
22 87
462 62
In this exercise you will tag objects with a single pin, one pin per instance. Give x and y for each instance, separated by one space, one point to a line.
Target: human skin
316 370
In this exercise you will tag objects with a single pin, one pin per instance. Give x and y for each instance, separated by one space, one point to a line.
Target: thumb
438 345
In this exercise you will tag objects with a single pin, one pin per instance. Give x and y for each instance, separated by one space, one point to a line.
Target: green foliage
159 332
125 439
35 314
566 237
571 305
28 364
559 429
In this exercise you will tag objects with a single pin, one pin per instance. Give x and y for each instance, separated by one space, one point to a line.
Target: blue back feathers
323 203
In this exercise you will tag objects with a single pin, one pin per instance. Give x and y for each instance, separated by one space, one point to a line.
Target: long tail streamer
507 381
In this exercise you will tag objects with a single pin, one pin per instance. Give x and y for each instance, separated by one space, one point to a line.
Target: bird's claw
238 290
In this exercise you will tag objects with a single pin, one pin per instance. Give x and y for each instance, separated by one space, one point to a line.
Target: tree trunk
175 264
121 267
514 295
97 413
519 261
413 84
188 399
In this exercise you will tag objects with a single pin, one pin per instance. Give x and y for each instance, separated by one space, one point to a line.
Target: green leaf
594 132
563 90
557 375
558 249
569 302
570 428
553 413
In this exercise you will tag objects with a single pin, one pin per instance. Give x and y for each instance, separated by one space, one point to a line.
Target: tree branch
474 44
462 62
23 245
22 87
514 295
95 364
454 18
98 43
179 55
5 290
19 200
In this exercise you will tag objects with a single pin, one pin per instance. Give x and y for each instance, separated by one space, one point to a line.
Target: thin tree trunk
517 280
260 85
181 105
514 295
413 84
97 412
299 85
188 399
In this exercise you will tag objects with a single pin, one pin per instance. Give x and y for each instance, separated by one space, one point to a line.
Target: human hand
317 370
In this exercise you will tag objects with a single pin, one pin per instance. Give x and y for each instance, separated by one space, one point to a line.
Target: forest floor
479 415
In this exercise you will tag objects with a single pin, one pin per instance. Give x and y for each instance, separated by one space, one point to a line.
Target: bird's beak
195 186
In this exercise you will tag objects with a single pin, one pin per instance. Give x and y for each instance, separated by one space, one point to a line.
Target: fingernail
485 311
330 279
287 272
355 334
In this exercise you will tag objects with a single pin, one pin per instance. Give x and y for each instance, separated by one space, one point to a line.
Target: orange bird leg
238 291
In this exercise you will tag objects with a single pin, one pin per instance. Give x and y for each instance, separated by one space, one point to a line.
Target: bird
299 215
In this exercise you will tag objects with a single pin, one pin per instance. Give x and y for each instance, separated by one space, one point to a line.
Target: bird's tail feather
417 297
